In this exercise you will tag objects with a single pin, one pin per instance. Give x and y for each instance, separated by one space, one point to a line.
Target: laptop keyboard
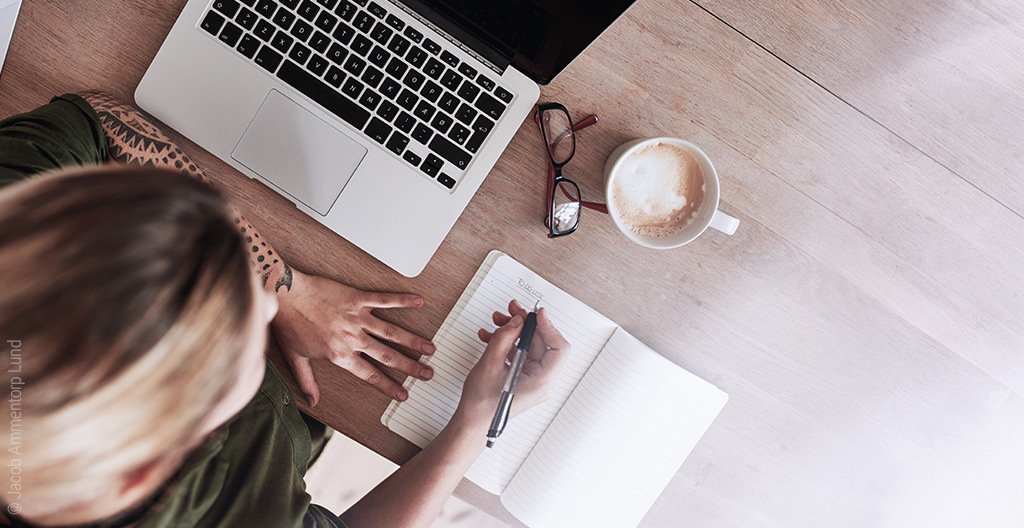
364 64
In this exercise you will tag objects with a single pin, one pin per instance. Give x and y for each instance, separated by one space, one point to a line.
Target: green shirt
249 472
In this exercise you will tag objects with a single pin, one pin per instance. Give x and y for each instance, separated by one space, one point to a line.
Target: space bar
323 94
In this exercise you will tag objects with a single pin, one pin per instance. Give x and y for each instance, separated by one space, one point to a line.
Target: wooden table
867 317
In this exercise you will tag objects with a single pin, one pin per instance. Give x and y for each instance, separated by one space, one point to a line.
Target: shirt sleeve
64 133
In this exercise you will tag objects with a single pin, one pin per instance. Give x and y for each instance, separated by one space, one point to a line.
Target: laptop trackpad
302 155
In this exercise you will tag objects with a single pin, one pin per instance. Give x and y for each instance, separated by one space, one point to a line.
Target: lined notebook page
432 403
620 438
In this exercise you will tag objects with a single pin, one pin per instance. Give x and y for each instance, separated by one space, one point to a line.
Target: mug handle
724 223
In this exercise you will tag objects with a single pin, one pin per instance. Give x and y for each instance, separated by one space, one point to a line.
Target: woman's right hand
482 390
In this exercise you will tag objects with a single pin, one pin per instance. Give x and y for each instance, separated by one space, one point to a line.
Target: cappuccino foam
658 189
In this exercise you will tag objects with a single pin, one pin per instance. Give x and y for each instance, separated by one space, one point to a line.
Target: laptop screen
539 37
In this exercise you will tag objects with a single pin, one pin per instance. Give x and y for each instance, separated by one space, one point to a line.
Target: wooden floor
867 319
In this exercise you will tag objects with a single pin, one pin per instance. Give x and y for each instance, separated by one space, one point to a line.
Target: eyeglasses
564 203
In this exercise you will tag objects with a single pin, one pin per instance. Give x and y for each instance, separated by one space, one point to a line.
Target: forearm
414 494
133 139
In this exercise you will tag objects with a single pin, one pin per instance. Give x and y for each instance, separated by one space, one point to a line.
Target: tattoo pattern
133 139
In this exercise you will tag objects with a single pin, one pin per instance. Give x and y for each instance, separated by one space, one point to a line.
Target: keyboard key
290 4
248 46
362 45
399 45
354 65
335 77
269 59
390 88
446 180
264 30
344 33
230 34
416 56
363 22
485 83
397 143
379 56
407 99
395 22
284 18
360 2
405 122
424 111
422 134
372 76
352 88
432 165
320 42
247 19
490 106
381 33
413 35
474 142
434 68
451 80
249 3
431 91
346 10
337 54
414 79
378 130
326 21
396 68
212 23
467 70
266 8
466 114
308 10
387 110
377 10
449 58
483 125
432 46
299 54
449 103
503 94
227 7
282 41
317 65
450 151
301 31
411 157
468 92
370 99
459 134
328 4
441 122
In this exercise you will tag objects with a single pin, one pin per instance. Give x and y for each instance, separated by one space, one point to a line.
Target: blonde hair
129 293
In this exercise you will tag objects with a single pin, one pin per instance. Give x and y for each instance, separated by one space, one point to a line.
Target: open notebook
619 424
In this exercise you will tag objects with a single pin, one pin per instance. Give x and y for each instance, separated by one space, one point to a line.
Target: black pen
508 392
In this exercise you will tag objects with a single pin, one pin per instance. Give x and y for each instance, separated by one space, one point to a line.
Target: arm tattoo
134 139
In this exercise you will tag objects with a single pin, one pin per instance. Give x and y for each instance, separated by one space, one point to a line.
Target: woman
136 337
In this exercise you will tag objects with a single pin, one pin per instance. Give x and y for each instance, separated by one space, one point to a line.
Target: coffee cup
663 192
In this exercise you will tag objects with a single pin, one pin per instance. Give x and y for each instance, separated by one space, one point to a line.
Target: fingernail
419 302
403 395
426 373
310 400
428 348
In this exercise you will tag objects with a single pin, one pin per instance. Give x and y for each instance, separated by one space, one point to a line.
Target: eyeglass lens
565 214
558 132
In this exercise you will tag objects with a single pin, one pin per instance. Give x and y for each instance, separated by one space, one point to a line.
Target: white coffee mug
707 216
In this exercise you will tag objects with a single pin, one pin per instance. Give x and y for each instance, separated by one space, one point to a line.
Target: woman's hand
323 319
483 386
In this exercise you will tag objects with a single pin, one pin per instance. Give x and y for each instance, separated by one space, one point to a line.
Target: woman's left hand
323 319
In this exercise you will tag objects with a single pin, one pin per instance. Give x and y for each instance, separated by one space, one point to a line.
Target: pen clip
506 409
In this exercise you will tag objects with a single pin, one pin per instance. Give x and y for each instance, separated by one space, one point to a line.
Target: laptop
379 119
8 16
